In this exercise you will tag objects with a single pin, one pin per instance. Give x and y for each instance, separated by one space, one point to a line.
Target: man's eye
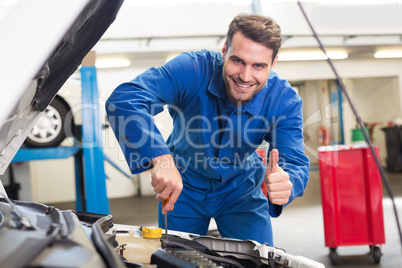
258 66
236 61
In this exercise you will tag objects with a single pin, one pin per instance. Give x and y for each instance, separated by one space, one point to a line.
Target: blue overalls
213 142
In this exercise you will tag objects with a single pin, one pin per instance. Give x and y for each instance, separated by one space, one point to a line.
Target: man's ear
223 50
274 62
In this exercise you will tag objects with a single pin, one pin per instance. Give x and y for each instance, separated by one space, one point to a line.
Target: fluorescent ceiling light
342 2
365 2
7 3
309 55
112 63
388 54
182 2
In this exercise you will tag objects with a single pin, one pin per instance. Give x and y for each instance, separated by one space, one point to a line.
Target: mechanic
223 106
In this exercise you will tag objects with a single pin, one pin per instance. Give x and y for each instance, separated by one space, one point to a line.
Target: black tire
49 131
376 252
333 256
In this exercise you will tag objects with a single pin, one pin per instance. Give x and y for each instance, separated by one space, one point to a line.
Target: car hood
41 44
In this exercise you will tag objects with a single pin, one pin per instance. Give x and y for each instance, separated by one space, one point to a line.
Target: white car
62 118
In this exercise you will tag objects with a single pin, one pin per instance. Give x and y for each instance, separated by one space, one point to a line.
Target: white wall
374 86
312 116
377 100
53 180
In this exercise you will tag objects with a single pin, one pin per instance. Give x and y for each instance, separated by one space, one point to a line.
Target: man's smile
242 85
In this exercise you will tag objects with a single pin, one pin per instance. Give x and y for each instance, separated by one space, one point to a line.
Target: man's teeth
241 85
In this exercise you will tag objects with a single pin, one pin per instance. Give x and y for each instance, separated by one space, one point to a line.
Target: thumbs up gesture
278 184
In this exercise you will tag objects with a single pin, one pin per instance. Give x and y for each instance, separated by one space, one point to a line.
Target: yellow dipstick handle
151 232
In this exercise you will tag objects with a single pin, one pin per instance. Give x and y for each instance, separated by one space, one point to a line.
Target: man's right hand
166 180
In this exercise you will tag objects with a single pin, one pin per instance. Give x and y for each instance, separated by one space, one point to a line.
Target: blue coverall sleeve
287 137
132 105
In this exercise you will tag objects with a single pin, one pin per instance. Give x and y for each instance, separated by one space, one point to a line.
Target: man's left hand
278 184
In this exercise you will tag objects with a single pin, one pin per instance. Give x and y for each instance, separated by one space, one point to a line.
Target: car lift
89 159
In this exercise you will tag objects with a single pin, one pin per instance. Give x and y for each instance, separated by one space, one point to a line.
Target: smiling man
246 68
223 105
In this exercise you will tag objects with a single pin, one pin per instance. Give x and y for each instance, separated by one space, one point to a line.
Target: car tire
49 130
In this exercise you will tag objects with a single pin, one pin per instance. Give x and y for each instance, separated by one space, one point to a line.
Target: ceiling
162 29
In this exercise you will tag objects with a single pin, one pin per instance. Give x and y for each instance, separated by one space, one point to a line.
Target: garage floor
299 230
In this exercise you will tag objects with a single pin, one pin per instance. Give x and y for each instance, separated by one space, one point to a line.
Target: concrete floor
299 230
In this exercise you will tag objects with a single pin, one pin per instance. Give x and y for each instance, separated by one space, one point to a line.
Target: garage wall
313 115
53 180
376 100
374 86
319 110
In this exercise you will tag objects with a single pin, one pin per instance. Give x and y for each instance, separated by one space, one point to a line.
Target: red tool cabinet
351 194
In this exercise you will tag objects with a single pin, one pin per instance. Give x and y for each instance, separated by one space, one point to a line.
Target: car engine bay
44 236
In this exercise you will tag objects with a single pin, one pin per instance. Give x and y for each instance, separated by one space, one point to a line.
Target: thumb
273 161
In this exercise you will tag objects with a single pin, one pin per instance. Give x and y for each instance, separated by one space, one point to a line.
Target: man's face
246 68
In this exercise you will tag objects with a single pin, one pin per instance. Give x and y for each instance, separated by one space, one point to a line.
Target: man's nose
246 74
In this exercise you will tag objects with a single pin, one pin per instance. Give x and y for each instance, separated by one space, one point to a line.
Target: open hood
42 43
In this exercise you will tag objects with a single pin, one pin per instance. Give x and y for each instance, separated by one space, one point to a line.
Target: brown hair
260 29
